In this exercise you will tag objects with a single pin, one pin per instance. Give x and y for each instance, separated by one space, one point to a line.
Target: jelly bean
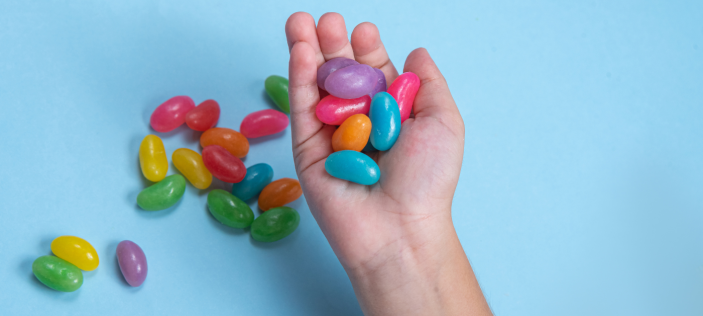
351 82
279 193
380 84
76 251
132 262
275 224
353 166
162 195
191 165
263 123
385 121
277 89
57 273
223 165
403 89
171 114
369 147
331 66
152 158
256 179
229 139
353 134
229 210
203 116
333 110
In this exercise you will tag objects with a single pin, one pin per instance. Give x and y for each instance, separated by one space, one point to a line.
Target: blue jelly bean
353 166
257 177
385 121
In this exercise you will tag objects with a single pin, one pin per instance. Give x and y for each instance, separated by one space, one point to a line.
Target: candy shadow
216 184
224 228
268 100
157 214
285 242
26 267
263 139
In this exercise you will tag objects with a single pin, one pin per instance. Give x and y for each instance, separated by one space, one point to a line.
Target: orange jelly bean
229 139
279 193
353 134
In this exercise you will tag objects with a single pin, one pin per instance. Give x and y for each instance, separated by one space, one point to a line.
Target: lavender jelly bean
351 82
132 262
331 66
380 84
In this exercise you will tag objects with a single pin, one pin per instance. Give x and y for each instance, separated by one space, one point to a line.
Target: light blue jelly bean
257 177
353 166
385 121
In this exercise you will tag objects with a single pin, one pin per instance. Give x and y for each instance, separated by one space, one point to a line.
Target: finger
368 49
300 27
332 34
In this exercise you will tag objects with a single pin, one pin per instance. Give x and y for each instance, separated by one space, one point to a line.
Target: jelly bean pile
369 115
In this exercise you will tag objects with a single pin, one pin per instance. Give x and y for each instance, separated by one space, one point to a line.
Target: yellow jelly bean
76 251
152 158
191 165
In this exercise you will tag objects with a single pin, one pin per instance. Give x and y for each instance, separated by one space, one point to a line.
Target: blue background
581 191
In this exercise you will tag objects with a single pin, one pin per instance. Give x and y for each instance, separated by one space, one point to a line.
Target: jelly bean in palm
76 251
277 89
352 134
132 262
353 166
331 66
162 195
275 224
403 89
203 116
279 193
223 165
385 121
57 273
229 139
257 177
171 114
333 110
152 158
191 165
352 81
380 84
229 210
263 123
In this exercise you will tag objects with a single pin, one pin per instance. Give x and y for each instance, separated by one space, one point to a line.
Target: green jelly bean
277 89
163 194
275 224
57 273
229 209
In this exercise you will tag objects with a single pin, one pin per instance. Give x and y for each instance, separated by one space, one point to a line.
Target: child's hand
395 239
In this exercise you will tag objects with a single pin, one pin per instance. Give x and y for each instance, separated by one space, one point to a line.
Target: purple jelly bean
380 84
132 262
331 66
351 82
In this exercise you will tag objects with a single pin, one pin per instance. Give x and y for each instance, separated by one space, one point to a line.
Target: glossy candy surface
333 110
353 166
229 139
277 89
275 224
385 121
380 84
76 251
132 262
256 179
162 195
223 165
229 210
331 66
353 134
171 114
203 116
152 158
404 89
352 81
263 123
279 193
57 273
191 165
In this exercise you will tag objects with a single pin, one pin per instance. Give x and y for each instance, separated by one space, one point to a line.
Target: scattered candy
152 158
256 179
353 166
57 273
132 262
229 139
203 116
171 114
277 89
191 165
263 123
353 134
279 193
385 121
275 224
331 66
76 251
403 89
380 84
333 110
352 81
229 210
163 194
223 165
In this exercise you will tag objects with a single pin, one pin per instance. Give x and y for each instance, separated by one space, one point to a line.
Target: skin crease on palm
395 239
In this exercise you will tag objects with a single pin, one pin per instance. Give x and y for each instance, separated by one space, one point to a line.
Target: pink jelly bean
333 110
204 116
262 123
331 66
403 89
171 114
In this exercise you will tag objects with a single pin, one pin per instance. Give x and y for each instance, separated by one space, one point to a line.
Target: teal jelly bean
257 177
275 224
228 209
353 166
163 194
385 121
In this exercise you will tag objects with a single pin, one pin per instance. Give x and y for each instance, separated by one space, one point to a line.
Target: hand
395 239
